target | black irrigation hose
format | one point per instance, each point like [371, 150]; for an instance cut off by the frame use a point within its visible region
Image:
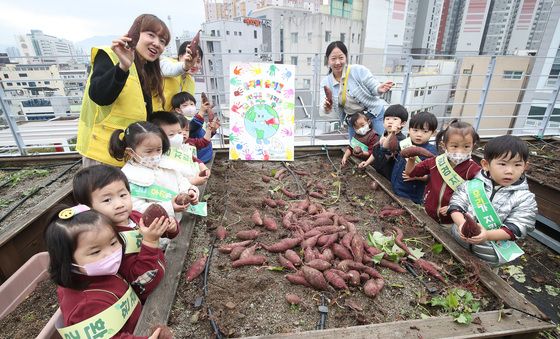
[309, 155]
[37, 189]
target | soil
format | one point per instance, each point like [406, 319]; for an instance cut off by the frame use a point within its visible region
[17, 183]
[545, 162]
[29, 318]
[251, 300]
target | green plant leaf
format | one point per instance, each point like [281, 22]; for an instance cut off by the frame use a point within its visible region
[437, 248]
[538, 289]
[377, 258]
[416, 252]
[275, 268]
[463, 318]
[551, 290]
[424, 316]
[515, 272]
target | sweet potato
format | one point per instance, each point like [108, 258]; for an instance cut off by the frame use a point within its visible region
[282, 245]
[196, 268]
[335, 280]
[256, 218]
[293, 299]
[372, 272]
[415, 151]
[351, 218]
[347, 240]
[221, 232]
[329, 229]
[209, 111]
[316, 195]
[293, 257]
[311, 233]
[236, 252]
[297, 211]
[303, 205]
[350, 227]
[389, 207]
[357, 246]
[248, 252]
[331, 238]
[374, 185]
[248, 234]
[322, 240]
[319, 264]
[312, 209]
[287, 220]
[193, 47]
[266, 178]
[328, 94]
[328, 254]
[297, 279]
[428, 267]
[392, 266]
[279, 173]
[315, 278]
[269, 202]
[322, 222]
[252, 260]
[270, 224]
[182, 199]
[280, 203]
[311, 242]
[308, 254]
[341, 252]
[227, 248]
[391, 213]
[470, 228]
[300, 172]
[153, 212]
[354, 277]
[399, 241]
[393, 143]
[285, 262]
[364, 277]
[289, 194]
[372, 287]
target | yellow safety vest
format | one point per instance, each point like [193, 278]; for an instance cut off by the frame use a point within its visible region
[172, 86]
[97, 123]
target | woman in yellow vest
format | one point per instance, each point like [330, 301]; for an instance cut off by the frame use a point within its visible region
[119, 91]
[177, 75]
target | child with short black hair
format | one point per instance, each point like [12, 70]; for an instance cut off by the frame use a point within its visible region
[447, 171]
[181, 156]
[420, 129]
[362, 143]
[498, 198]
[394, 119]
[86, 264]
[151, 180]
[105, 189]
[184, 103]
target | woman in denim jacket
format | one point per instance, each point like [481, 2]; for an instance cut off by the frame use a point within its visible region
[362, 90]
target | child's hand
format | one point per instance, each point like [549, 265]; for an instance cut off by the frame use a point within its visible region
[363, 164]
[443, 210]
[204, 107]
[327, 105]
[177, 207]
[406, 177]
[124, 52]
[357, 151]
[155, 335]
[344, 160]
[152, 233]
[385, 87]
[477, 239]
[172, 227]
[193, 195]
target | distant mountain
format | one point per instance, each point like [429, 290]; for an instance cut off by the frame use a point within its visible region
[88, 43]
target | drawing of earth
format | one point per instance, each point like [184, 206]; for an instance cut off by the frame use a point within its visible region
[261, 122]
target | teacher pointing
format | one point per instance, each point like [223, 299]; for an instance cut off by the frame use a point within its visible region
[354, 89]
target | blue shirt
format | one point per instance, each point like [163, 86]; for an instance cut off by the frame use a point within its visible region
[413, 190]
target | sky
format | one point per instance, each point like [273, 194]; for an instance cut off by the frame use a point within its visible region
[80, 20]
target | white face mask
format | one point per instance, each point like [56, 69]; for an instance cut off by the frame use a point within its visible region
[150, 162]
[458, 158]
[176, 140]
[363, 130]
[189, 111]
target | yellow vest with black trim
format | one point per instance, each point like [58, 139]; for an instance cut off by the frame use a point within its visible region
[172, 86]
[97, 123]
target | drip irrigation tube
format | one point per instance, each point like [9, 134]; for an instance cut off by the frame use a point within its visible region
[37, 189]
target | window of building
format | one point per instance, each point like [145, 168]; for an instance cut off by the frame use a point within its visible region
[306, 83]
[32, 84]
[210, 46]
[229, 50]
[308, 61]
[327, 36]
[358, 41]
[235, 33]
[353, 34]
[8, 84]
[18, 83]
[513, 75]
[294, 38]
[395, 35]
[430, 90]
[343, 37]
[213, 32]
[256, 51]
[5, 76]
[22, 75]
[309, 37]
[240, 51]
[294, 60]
[239, 33]
[255, 33]
[210, 65]
[416, 92]
[227, 32]
[467, 71]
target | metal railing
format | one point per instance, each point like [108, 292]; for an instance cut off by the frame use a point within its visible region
[496, 103]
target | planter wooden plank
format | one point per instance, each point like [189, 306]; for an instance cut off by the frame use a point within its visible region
[158, 306]
[492, 324]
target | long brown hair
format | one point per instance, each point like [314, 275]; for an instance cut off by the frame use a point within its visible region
[149, 72]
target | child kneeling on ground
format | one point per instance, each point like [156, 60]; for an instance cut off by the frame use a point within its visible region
[499, 199]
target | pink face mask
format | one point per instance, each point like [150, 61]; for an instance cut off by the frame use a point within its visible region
[106, 266]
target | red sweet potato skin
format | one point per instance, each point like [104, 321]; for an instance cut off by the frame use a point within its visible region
[297, 279]
[399, 241]
[182, 199]
[335, 280]
[391, 213]
[288, 194]
[415, 151]
[253, 260]
[319, 264]
[269, 202]
[428, 267]
[315, 278]
[270, 224]
[227, 248]
[236, 252]
[341, 252]
[293, 257]
[328, 93]
[470, 227]
[282, 245]
[293, 299]
[393, 142]
[152, 212]
[196, 268]
[221, 232]
[256, 218]
[354, 277]
[247, 235]
[372, 287]
[248, 252]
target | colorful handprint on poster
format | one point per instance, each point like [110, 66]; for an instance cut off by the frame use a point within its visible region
[261, 111]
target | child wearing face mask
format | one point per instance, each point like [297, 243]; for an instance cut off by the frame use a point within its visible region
[362, 143]
[182, 156]
[151, 181]
[184, 103]
[86, 264]
[498, 198]
[106, 189]
[447, 171]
